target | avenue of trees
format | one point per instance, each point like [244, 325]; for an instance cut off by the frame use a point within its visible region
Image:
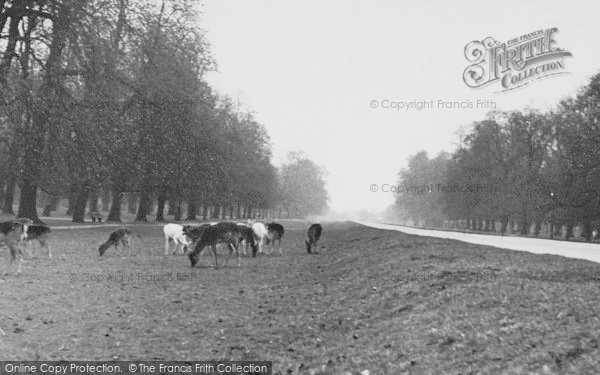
[104, 103]
[525, 170]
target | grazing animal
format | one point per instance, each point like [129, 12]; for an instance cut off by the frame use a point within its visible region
[120, 235]
[261, 235]
[247, 239]
[174, 233]
[226, 232]
[40, 234]
[96, 216]
[275, 234]
[314, 234]
[11, 233]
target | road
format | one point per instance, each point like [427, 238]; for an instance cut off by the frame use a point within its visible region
[576, 250]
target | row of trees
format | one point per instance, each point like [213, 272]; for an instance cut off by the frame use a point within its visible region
[102, 95]
[524, 167]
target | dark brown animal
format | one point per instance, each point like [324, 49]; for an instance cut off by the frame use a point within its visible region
[11, 233]
[313, 237]
[227, 233]
[119, 236]
[275, 234]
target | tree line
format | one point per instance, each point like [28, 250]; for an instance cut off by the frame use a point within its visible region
[99, 96]
[526, 169]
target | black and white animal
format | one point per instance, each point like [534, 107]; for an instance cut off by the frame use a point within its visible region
[26, 222]
[39, 233]
[11, 233]
[313, 236]
[174, 233]
[119, 236]
[227, 233]
[275, 234]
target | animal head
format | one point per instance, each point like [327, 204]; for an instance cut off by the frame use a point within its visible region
[193, 258]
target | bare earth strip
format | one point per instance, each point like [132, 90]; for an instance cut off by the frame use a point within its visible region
[385, 301]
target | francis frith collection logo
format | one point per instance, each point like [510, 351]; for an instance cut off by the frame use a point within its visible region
[516, 62]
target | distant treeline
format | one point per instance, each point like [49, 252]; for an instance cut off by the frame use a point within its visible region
[98, 96]
[521, 169]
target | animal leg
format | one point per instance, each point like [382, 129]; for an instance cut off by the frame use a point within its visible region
[26, 246]
[214, 250]
[15, 255]
[167, 243]
[279, 245]
[44, 243]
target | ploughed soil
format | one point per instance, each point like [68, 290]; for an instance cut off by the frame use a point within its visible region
[372, 300]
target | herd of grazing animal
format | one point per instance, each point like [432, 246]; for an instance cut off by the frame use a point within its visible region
[261, 238]
[237, 237]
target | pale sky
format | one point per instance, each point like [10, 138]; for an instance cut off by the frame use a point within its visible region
[308, 70]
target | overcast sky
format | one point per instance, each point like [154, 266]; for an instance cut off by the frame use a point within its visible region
[309, 70]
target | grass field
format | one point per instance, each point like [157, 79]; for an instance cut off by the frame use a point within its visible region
[378, 300]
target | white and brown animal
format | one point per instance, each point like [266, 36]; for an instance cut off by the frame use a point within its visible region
[122, 236]
[228, 233]
[39, 233]
[313, 237]
[261, 235]
[174, 233]
[26, 222]
[11, 233]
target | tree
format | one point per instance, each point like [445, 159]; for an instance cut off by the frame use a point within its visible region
[303, 186]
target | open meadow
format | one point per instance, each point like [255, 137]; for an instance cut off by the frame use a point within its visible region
[378, 300]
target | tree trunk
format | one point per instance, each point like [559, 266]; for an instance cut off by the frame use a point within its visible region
[523, 224]
[569, 233]
[131, 203]
[9, 196]
[191, 211]
[143, 205]
[538, 228]
[27, 202]
[215, 212]
[106, 200]
[178, 211]
[41, 121]
[115, 207]
[171, 211]
[503, 224]
[93, 202]
[162, 198]
[71, 202]
[587, 229]
[79, 207]
[249, 212]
